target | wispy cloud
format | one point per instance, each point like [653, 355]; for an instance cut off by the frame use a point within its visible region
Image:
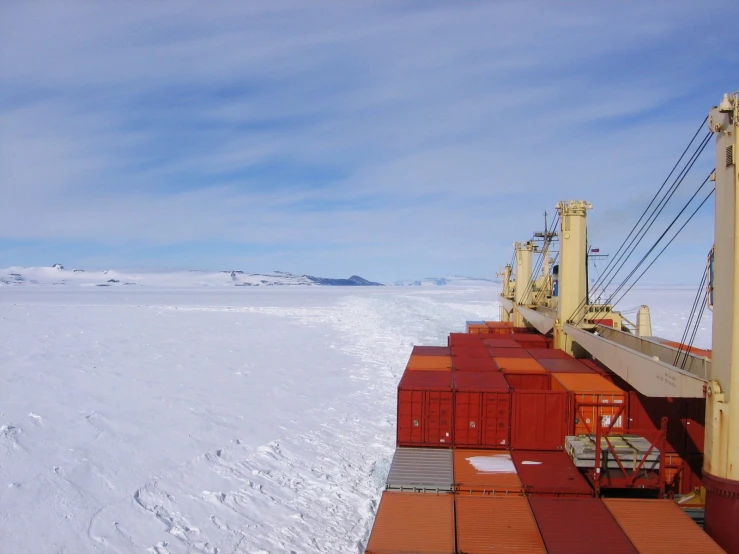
[390, 139]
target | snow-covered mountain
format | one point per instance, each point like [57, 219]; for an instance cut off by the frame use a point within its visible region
[58, 275]
[456, 280]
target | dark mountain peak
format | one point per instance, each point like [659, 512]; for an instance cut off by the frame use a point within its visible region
[353, 281]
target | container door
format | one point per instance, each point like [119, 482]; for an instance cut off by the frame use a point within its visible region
[585, 416]
[539, 420]
[467, 417]
[439, 424]
[410, 417]
[496, 428]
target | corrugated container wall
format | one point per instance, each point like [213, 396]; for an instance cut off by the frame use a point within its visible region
[496, 524]
[579, 526]
[539, 420]
[413, 522]
[425, 409]
[529, 381]
[482, 409]
[590, 388]
[656, 526]
[421, 470]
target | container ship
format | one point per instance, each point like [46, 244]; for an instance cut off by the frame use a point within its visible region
[563, 427]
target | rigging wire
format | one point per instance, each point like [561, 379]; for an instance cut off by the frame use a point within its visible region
[695, 333]
[647, 225]
[540, 262]
[611, 265]
[656, 195]
[692, 326]
[689, 323]
[669, 243]
[645, 228]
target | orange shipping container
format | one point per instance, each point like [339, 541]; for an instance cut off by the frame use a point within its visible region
[434, 363]
[413, 522]
[656, 526]
[496, 524]
[485, 472]
[500, 324]
[590, 388]
[519, 365]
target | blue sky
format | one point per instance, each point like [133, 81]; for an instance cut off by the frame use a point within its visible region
[387, 139]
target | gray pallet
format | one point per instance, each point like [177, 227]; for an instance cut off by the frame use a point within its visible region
[421, 470]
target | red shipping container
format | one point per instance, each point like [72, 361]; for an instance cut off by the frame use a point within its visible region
[425, 409]
[559, 365]
[579, 526]
[539, 420]
[509, 352]
[465, 339]
[460, 363]
[596, 366]
[503, 342]
[646, 413]
[550, 474]
[431, 351]
[482, 410]
[521, 330]
[694, 423]
[470, 352]
[530, 340]
[548, 353]
[529, 381]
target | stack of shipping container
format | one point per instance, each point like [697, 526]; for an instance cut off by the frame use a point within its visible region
[480, 463]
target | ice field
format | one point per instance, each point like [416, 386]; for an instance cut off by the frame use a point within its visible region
[216, 420]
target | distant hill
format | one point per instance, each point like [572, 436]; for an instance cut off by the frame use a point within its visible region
[353, 281]
[455, 280]
[57, 275]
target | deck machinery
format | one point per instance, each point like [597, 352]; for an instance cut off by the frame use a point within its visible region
[558, 303]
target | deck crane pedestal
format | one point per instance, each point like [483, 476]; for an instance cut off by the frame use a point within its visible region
[721, 466]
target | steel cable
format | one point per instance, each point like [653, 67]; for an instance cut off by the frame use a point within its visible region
[608, 270]
[668, 244]
[647, 225]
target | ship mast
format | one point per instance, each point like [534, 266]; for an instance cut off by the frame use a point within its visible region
[522, 292]
[721, 465]
[572, 268]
